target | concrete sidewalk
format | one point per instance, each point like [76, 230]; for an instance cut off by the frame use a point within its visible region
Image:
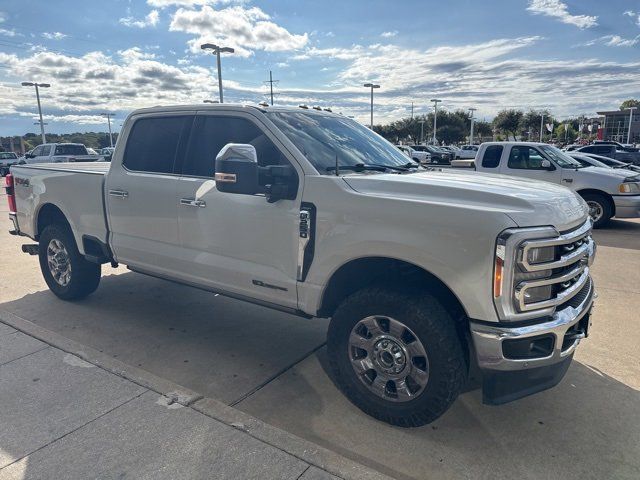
[64, 417]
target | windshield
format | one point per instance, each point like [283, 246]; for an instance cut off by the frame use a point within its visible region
[322, 138]
[7, 155]
[70, 150]
[562, 159]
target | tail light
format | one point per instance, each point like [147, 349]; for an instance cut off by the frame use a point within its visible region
[11, 196]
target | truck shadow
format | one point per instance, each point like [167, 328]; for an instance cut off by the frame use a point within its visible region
[619, 234]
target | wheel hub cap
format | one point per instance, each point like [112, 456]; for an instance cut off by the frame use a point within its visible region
[595, 211]
[388, 358]
[58, 262]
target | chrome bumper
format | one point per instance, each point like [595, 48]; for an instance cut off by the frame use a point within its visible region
[14, 220]
[488, 339]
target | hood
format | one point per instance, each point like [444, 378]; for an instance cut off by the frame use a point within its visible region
[618, 174]
[527, 202]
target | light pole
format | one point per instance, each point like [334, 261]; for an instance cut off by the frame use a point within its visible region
[109, 115]
[371, 86]
[217, 51]
[421, 131]
[435, 118]
[471, 110]
[43, 85]
[631, 109]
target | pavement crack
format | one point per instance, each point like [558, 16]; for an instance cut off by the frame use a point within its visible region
[25, 355]
[303, 472]
[76, 429]
[275, 375]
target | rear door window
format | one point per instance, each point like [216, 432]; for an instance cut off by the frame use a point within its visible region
[491, 157]
[46, 150]
[70, 150]
[154, 143]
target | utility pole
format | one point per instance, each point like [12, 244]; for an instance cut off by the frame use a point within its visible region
[109, 115]
[371, 86]
[43, 85]
[631, 109]
[435, 118]
[471, 110]
[541, 125]
[411, 110]
[421, 131]
[217, 51]
[271, 81]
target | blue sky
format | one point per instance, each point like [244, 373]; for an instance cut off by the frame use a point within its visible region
[573, 57]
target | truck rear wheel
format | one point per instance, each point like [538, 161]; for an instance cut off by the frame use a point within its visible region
[67, 273]
[600, 209]
[396, 355]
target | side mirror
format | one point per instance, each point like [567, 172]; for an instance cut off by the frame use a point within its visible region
[546, 164]
[237, 169]
[28, 155]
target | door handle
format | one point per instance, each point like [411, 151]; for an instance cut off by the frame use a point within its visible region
[118, 193]
[568, 180]
[192, 202]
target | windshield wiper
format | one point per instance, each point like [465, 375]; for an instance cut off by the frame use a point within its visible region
[361, 167]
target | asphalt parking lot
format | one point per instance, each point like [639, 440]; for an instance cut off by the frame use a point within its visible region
[273, 366]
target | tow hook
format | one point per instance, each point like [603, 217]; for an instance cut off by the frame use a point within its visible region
[31, 249]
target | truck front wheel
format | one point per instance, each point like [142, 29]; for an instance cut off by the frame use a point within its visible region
[600, 209]
[67, 273]
[396, 355]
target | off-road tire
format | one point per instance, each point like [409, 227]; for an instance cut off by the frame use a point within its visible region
[85, 275]
[432, 325]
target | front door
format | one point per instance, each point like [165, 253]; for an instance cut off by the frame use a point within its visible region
[141, 193]
[526, 161]
[239, 244]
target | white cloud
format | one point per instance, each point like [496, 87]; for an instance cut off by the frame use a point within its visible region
[618, 41]
[54, 35]
[8, 32]
[188, 3]
[559, 10]
[389, 34]
[151, 20]
[634, 15]
[244, 29]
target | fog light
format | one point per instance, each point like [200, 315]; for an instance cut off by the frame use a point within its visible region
[541, 255]
[537, 294]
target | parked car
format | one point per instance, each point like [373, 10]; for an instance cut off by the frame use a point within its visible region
[452, 149]
[308, 212]
[6, 160]
[611, 151]
[107, 153]
[438, 156]
[608, 192]
[467, 152]
[589, 159]
[416, 155]
[60, 152]
[619, 146]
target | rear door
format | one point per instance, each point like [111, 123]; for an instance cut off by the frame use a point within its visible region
[141, 192]
[526, 161]
[240, 244]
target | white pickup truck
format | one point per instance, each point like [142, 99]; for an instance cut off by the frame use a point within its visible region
[58, 153]
[608, 192]
[425, 275]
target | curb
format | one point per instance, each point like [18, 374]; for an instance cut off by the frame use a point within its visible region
[300, 448]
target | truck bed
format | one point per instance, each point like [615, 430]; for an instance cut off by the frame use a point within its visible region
[75, 189]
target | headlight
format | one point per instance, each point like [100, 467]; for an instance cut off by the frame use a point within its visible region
[541, 255]
[629, 187]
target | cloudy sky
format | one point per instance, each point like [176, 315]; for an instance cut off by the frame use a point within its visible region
[572, 56]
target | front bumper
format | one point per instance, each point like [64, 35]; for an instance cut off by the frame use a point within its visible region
[627, 206]
[521, 360]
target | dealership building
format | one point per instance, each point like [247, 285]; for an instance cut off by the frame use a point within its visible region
[614, 125]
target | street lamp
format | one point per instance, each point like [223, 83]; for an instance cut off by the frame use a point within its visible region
[435, 118]
[421, 122]
[109, 115]
[217, 51]
[371, 86]
[43, 85]
[631, 109]
[471, 110]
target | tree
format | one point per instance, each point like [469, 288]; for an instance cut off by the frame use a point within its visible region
[630, 103]
[508, 121]
[482, 129]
